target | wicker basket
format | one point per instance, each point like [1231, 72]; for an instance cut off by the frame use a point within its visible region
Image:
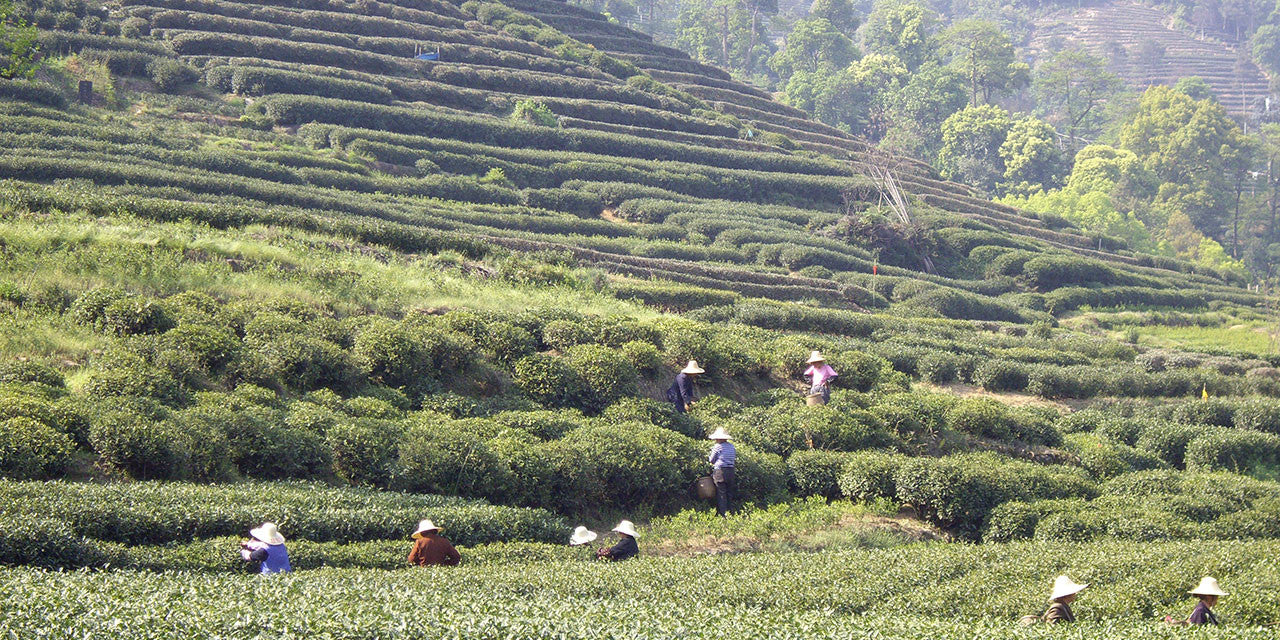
[815, 400]
[705, 488]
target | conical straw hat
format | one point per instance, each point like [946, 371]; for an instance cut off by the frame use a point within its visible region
[692, 367]
[719, 434]
[1064, 586]
[626, 527]
[423, 527]
[267, 533]
[581, 536]
[1208, 587]
[816, 356]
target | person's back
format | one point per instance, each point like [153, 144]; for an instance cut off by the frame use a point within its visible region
[432, 549]
[1058, 612]
[626, 548]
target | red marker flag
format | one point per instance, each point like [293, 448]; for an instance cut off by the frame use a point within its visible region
[875, 269]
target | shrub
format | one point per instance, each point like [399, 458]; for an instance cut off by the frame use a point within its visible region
[1000, 375]
[938, 367]
[1083, 421]
[605, 374]
[1168, 442]
[643, 356]
[171, 75]
[816, 473]
[212, 347]
[959, 492]
[534, 112]
[508, 343]
[762, 477]
[869, 475]
[1104, 460]
[563, 335]
[140, 446]
[635, 463]
[548, 380]
[364, 451]
[654, 412]
[983, 417]
[1213, 411]
[437, 458]
[89, 307]
[1051, 381]
[30, 371]
[544, 425]
[32, 450]
[1232, 450]
[1257, 414]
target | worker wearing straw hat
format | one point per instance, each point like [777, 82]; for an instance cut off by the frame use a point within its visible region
[820, 375]
[1064, 593]
[722, 459]
[430, 549]
[1208, 591]
[680, 393]
[267, 549]
[626, 547]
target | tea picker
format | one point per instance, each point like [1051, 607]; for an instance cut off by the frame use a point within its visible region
[1208, 592]
[430, 549]
[820, 374]
[722, 459]
[680, 393]
[266, 547]
[581, 537]
[626, 547]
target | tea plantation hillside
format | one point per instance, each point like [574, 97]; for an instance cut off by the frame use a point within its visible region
[1144, 49]
[345, 265]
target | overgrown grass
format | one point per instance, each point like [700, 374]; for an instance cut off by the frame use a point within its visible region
[1249, 337]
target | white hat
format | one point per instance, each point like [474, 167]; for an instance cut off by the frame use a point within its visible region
[626, 527]
[692, 367]
[719, 434]
[1064, 586]
[816, 356]
[1208, 587]
[425, 526]
[581, 536]
[267, 533]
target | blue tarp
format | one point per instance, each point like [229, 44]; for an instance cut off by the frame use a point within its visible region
[428, 56]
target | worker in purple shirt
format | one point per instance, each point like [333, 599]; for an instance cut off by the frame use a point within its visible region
[1208, 592]
[722, 458]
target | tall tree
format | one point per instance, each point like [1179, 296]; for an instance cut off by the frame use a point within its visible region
[726, 33]
[1071, 88]
[971, 140]
[840, 13]
[813, 45]
[1190, 147]
[905, 30]
[984, 55]
[918, 109]
[18, 47]
[1032, 159]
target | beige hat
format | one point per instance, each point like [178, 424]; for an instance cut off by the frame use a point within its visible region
[692, 367]
[423, 527]
[267, 533]
[626, 527]
[581, 536]
[719, 434]
[1064, 586]
[1208, 587]
[816, 356]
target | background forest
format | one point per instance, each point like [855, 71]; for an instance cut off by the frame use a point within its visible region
[993, 95]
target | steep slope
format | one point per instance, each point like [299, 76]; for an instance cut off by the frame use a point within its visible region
[649, 165]
[1156, 53]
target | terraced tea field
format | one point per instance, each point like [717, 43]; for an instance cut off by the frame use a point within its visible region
[1239, 84]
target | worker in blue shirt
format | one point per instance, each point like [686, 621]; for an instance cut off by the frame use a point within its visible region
[723, 457]
[680, 393]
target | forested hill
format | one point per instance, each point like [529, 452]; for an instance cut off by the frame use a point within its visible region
[1144, 49]
[540, 127]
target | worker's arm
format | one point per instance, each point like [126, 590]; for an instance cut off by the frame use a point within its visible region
[451, 555]
[415, 554]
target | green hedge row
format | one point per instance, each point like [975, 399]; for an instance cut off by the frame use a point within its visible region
[256, 81]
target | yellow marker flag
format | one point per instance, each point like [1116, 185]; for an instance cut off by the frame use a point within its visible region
[1204, 392]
